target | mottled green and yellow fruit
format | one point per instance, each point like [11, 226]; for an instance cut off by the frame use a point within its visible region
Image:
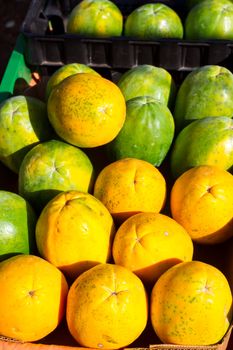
[147, 80]
[205, 92]
[64, 72]
[96, 18]
[23, 124]
[210, 19]
[17, 225]
[191, 3]
[191, 304]
[208, 141]
[153, 21]
[52, 167]
[147, 133]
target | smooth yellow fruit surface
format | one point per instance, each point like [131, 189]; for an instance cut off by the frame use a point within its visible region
[32, 297]
[150, 243]
[202, 202]
[107, 307]
[129, 186]
[74, 232]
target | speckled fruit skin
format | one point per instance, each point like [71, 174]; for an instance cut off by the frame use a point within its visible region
[145, 243]
[107, 307]
[205, 92]
[74, 232]
[23, 124]
[147, 80]
[17, 225]
[52, 167]
[208, 141]
[152, 21]
[201, 200]
[212, 19]
[191, 304]
[96, 18]
[64, 72]
[147, 133]
[86, 110]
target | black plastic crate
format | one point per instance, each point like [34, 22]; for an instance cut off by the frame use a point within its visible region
[48, 44]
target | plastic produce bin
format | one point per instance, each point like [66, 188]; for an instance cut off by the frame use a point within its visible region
[48, 44]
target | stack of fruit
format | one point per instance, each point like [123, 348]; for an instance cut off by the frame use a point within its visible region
[100, 230]
[122, 190]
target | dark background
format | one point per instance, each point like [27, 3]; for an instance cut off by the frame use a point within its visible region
[12, 13]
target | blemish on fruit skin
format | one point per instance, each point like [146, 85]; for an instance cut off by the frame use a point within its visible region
[192, 300]
[109, 339]
[31, 293]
